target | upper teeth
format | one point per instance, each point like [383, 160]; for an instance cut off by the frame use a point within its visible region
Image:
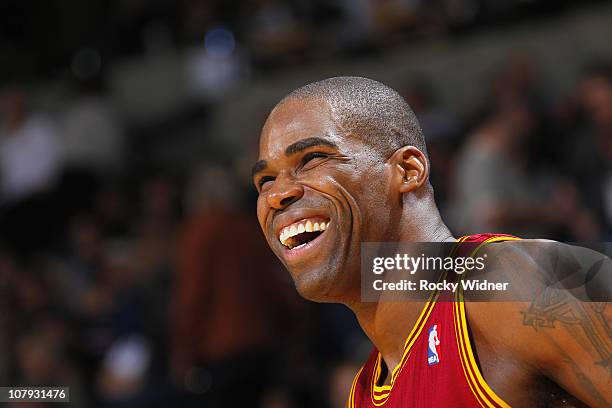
[300, 227]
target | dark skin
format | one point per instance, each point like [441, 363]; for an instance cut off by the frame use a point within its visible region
[310, 167]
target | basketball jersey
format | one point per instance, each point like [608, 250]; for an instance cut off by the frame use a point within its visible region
[438, 367]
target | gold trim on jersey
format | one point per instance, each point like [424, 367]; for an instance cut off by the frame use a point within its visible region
[485, 396]
[351, 399]
[380, 393]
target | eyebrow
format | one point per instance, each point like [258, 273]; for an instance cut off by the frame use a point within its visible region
[259, 166]
[294, 148]
[306, 143]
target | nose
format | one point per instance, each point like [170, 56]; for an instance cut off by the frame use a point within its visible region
[284, 192]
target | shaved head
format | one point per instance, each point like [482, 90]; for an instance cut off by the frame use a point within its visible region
[367, 109]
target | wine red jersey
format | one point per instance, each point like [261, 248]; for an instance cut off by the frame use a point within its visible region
[438, 368]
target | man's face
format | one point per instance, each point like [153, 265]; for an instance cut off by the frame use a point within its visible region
[321, 193]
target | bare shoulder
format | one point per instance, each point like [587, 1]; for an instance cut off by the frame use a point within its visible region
[557, 323]
[584, 271]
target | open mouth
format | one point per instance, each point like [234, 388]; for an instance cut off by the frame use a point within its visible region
[302, 232]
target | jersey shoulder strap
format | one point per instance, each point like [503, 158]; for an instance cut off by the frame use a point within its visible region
[487, 237]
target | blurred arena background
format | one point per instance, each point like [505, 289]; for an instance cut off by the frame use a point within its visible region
[132, 268]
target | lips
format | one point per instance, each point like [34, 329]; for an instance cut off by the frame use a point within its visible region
[301, 232]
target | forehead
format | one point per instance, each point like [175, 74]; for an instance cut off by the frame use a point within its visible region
[294, 120]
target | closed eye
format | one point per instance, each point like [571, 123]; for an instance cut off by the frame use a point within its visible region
[264, 180]
[311, 156]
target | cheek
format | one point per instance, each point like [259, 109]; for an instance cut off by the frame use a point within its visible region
[374, 188]
[377, 205]
[261, 211]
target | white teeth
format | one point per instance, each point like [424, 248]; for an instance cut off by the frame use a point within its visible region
[300, 228]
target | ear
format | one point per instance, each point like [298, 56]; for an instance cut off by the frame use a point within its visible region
[410, 169]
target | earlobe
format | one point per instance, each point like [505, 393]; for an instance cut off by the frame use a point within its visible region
[414, 168]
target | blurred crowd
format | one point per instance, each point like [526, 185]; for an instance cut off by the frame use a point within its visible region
[142, 285]
[273, 34]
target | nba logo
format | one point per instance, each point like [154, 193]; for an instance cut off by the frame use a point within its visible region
[432, 346]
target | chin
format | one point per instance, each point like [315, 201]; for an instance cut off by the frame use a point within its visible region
[317, 286]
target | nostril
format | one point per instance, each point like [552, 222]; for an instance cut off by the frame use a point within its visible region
[288, 200]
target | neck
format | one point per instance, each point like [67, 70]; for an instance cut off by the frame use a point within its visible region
[388, 324]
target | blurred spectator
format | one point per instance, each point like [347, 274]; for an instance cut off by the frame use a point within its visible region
[591, 158]
[92, 136]
[276, 35]
[494, 192]
[25, 138]
[230, 307]
[30, 163]
[42, 357]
